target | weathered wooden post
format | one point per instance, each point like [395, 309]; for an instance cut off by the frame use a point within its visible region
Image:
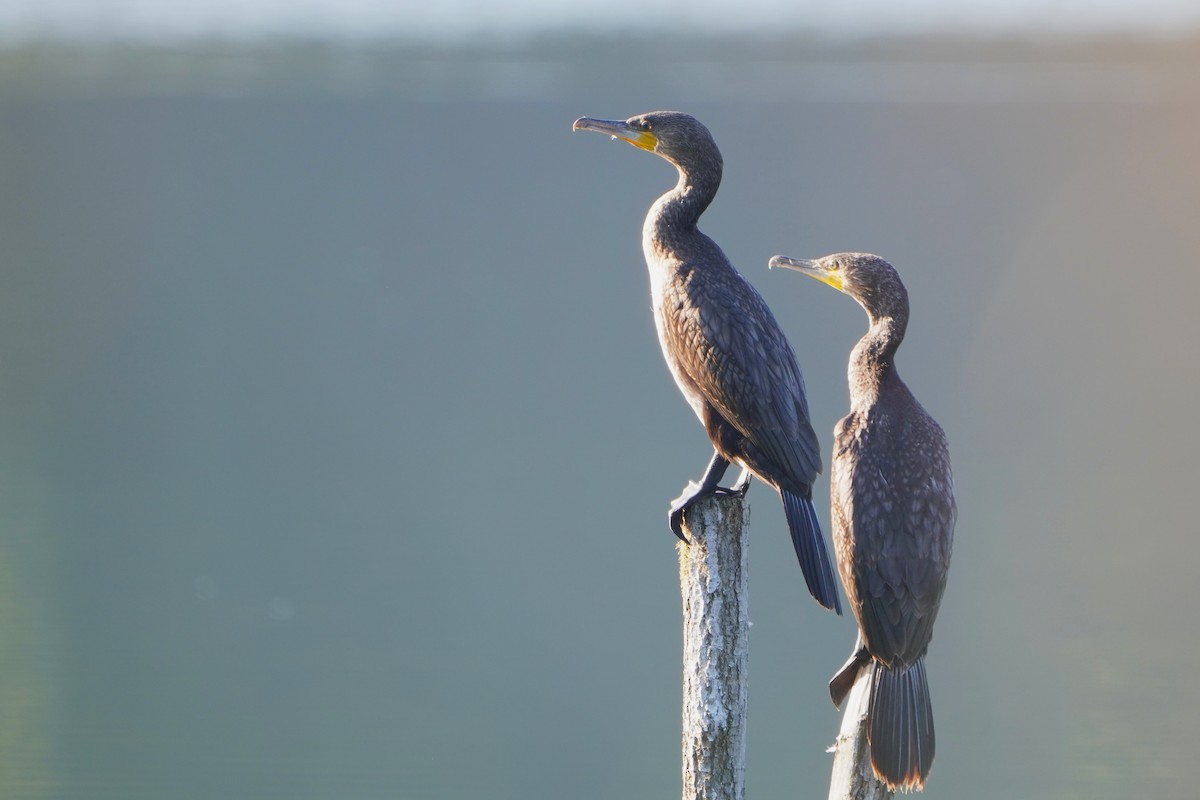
[716, 627]
[853, 778]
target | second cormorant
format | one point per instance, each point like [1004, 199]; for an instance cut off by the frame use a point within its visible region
[893, 510]
[722, 344]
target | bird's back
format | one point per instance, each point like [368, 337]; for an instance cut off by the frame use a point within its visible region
[893, 517]
[734, 365]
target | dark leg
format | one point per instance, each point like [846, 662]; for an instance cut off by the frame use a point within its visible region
[707, 485]
[742, 485]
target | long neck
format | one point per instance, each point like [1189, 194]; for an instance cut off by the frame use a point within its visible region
[872, 362]
[671, 222]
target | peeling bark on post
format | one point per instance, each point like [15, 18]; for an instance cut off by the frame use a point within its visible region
[853, 778]
[716, 625]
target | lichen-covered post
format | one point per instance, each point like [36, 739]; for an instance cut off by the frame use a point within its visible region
[716, 627]
[853, 778]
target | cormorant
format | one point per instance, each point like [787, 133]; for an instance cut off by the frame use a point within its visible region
[722, 344]
[893, 510]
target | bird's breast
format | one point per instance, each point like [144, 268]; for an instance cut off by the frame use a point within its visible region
[662, 267]
[691, 392]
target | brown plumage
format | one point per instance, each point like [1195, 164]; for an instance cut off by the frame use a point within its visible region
[893, 510]
[722, 344]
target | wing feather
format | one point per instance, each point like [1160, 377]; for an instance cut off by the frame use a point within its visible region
[727, 344]
[894, 517]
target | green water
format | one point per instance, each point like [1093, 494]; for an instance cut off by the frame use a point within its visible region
[337, 446]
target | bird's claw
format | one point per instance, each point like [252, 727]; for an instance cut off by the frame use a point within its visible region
[691, 493]
[676, 520]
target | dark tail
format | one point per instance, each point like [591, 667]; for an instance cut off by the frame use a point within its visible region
[901, 727]
[810, 549]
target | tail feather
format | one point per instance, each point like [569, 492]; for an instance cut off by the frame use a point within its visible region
[810, 549]
[901, 727]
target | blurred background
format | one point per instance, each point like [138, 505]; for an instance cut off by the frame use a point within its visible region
[337, 445]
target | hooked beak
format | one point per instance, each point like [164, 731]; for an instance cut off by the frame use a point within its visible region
[618, 129]
[813, 269]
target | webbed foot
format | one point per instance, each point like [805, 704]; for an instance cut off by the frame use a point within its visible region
[695, 491]
[691, 493]
[743, 483]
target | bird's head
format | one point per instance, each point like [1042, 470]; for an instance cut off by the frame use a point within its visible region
[680, 138]
[870, 280]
